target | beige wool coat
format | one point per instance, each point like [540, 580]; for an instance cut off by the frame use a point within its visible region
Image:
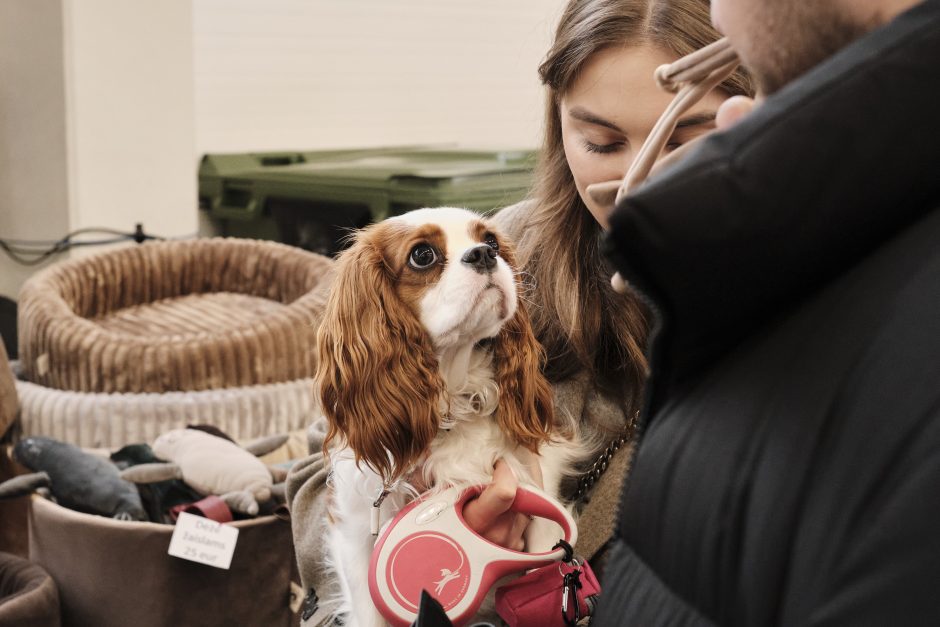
[576, 397]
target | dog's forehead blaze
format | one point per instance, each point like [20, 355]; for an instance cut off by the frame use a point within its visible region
[477, 229]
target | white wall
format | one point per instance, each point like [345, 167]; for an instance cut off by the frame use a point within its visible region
[131, 114]
[33, 165]
[97, 120]
[295, 74]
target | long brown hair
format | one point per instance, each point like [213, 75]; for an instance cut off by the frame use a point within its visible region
[582, 323]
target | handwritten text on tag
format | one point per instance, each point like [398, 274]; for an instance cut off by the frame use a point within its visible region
[202, 540]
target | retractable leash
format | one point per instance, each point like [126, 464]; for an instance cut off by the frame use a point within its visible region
[691, 78]
[429, 546]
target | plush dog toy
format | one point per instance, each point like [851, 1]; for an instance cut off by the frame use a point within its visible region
[210, 465]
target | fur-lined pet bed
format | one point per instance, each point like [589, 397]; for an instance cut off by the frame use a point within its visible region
[174, 316]
[113, 420]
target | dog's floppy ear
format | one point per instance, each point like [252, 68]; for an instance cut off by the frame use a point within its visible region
[526, 407]
[377, 374]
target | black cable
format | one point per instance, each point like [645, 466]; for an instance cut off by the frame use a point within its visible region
[81, 231]
[35, 252]
[15, 256]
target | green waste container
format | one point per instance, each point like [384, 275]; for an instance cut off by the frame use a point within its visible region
[312, 199]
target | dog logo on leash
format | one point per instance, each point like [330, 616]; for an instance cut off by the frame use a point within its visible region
[447, 575]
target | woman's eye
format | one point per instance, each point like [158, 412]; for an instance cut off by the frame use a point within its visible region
[422, 256]
[673, 146]
[490, 240]
[602, 148]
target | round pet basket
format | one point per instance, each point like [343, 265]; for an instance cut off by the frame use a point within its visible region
[28, 594]
[179, 316]
[93, 420]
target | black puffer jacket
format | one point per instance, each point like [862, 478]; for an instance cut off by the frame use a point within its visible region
[789, 466]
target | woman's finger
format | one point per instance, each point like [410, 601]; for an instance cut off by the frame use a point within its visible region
[732, 111]
[496, 499]
[516, 540]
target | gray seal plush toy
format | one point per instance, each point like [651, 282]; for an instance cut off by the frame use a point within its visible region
[77, 480]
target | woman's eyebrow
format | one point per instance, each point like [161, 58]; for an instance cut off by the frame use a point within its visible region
[584, 115]
[697, 119]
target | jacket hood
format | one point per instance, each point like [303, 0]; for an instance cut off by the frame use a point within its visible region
[762, 216]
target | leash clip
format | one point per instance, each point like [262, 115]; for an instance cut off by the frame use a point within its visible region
[377, 509]
[570, 585]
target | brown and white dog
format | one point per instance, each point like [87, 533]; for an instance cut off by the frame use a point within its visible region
[429, 373]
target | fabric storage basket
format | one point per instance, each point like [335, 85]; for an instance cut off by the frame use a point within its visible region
[114, 573]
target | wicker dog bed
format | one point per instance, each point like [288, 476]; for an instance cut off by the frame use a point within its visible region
[174, 316]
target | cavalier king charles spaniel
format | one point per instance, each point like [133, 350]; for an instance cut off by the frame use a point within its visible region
[428, 373]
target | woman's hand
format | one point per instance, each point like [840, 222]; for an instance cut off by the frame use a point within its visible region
[489, 514]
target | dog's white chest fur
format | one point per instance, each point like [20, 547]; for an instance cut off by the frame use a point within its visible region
[469, 442]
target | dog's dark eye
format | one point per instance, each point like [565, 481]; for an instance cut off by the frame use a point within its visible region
[422, 256]
[490, 240]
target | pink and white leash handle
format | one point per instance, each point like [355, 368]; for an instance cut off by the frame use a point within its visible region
[429, 546]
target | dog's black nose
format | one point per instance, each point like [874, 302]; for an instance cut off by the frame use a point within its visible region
[481, 258]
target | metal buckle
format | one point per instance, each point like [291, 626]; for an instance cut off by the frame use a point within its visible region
[570, 585]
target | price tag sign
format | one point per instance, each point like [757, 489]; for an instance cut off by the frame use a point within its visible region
[199, 539]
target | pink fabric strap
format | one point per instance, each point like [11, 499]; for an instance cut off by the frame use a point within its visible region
[211, 507]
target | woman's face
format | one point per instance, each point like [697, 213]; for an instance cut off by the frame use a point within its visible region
[611, 108]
